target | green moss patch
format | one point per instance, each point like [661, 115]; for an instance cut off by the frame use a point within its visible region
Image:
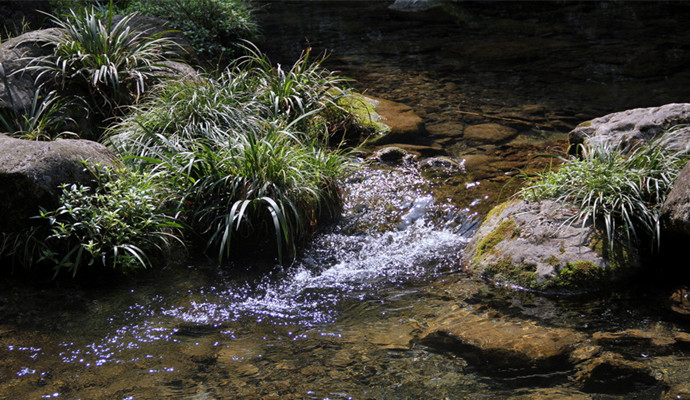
[504, 230]
[365, 113]
[505, 271]
[619, 258]
[499, 209]
[579, 274]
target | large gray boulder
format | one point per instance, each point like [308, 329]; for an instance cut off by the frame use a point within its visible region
[675, 212]
[533, 246]
[640, 125]
[15, 55]
[31, 173]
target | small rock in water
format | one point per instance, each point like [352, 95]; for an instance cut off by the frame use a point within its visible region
[612, 373]
[391, 155]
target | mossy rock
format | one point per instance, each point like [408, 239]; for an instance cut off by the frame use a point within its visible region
[532, 246]
[363, 108]
[393, 122]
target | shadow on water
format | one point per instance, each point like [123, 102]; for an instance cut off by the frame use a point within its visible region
[344, 320]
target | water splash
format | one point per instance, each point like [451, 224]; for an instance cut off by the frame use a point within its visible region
[393, 231]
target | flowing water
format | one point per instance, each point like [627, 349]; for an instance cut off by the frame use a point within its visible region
[345, 319]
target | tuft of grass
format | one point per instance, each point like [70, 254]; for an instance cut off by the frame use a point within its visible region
[104, 61]
[259, 187]
[184, 112]
[613, 190]
[234, 149]
[305, 95]
[121, 223]
[45, 120]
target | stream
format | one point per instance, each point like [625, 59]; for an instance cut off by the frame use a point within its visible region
[345, 321]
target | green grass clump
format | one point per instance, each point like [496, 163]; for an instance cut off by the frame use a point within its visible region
[613, 190]
[184, 113]
[215, 27]
[105, 62]
[291, 94]
[258, 187]
[48, 117]
[243, 151]
[250, 95]
[579, 274]
[120, 222]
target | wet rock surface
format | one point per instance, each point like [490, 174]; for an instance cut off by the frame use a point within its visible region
[403, 122]
[488, 133]
[392, 155]
[502, 346]
[612, 373]
[680, 300]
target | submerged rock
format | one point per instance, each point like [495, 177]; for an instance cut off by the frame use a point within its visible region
[392, 155]
[553, 394]
[640, 125]
[404, 124]
[612, 373]
[441, 163]
[679, 301]
[534, 245]
[31, 173]
[489, 133]
[502, 345]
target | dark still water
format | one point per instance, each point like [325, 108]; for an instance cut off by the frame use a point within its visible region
[539, 68]
[345, 320]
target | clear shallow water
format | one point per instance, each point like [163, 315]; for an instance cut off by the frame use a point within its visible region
[341, 322]
[362, 266]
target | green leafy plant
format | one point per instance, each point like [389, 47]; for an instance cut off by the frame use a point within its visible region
[101, 59]
[119, 223]
[243, 168]
[304, 90]
[215, 27]
[612, 189]
[183, 112]
[256, 187]
[45, 120]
